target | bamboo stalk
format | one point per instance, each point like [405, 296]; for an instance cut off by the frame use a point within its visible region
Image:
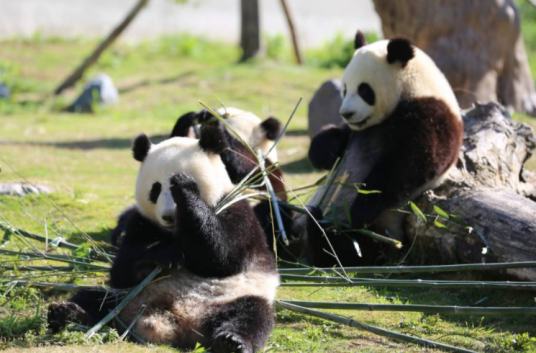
[96, 255]
[431, 309]
[275, 204]
[132, 333]
[415, 269]
[38, 268]
[62, 287]
[369, 328]
[339, 282]
[382, 238]
[123, 303]
[136, 318]
[59, 258]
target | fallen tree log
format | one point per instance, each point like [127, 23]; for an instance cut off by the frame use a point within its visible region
[489, 193]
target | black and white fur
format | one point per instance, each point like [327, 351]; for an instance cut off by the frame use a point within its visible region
[220, 278]
[239, 161]
[402, 133]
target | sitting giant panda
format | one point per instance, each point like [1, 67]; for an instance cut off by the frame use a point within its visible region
[238, 160]
[220, 278]
[402, 133]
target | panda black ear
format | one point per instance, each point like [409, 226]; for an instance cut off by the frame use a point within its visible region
[212, 138]
[359, 40]
[183, 125]
[401, 50]
[272, 127]
[140, 147]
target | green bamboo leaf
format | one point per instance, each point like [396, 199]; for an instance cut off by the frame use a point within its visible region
[417, 211]
[440, 225]
[368, 192]
[440, 212]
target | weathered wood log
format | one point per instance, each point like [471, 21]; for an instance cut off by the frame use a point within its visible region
[489, 189]
[484, 60]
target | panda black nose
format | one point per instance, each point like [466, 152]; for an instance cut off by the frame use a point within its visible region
[347, 115]
[168, 218]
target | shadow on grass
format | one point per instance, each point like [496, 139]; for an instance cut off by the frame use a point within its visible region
[300, 166]
[474, 298]
[105, 143]
[162, 81]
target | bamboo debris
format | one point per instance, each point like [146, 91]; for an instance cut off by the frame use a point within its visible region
[59, 258]
[339, 282]
[132, 333]
[123, 303]
[414, 269]
[136, 318]
[369, 328]
[61, 287]
[429, 309]
[40, 268]
[96, 255]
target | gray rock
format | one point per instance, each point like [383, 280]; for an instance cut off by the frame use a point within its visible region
[4, 91]
[324, 107]
[23, 189]
[100, 90]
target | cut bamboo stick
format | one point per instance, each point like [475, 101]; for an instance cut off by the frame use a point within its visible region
[96, 255]
[62, 287]
[429, 309]
[59, 258]
[415, 269]
[123, 303]
[369, 328]
[341, 282]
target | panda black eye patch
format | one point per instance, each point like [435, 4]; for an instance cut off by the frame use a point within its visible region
[365, 91]
[155, 192]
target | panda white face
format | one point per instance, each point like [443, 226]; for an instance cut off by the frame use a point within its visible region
[370, 87]
[381, 74]
[252, 129]
[161, 161]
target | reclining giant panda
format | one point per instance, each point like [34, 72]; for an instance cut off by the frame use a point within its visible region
[220, 278]
[402, 133]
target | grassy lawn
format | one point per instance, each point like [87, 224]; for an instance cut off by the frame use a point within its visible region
[87, 159]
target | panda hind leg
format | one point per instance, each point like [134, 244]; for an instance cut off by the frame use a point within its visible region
[241, 326]
[84, 308]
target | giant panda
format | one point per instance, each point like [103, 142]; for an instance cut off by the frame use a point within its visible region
[219, 278]
[238, 160]
[401, 133]
[261, 136]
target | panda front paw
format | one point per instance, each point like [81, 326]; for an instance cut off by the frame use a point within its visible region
[182, 183]
[61, 314]
[230, 342]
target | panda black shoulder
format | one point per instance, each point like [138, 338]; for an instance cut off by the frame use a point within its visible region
[427, 124]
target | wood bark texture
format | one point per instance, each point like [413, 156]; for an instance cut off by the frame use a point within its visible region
[477, 44]
[490, 192]
[250, 37]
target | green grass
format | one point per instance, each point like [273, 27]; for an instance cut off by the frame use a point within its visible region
[87, 158]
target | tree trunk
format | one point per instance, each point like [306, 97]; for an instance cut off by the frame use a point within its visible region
[490, 191]
[250, 34]
[477, 44]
